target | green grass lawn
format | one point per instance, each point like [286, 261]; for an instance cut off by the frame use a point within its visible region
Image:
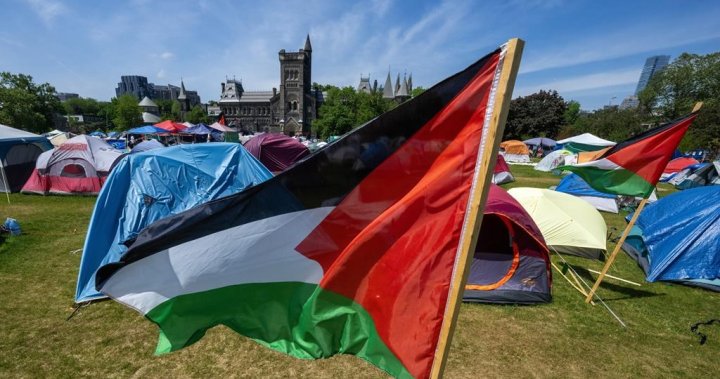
[566, 338]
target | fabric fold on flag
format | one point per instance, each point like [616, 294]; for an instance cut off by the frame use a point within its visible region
[633, 167]
[351, 251]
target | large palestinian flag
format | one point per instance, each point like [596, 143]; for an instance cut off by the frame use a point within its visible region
[350, 251]
[633, 167]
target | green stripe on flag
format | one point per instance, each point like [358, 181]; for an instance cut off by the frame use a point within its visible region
[618, 181]
[298, 319]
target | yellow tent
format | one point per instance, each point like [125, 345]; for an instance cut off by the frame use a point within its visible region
[569, 224]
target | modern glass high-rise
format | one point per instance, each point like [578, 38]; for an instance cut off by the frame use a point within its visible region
[653, 65]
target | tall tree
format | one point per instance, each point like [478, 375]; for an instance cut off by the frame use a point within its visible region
[673, 92]
[26, 105]
[539, 114]
[197, 115]
[127, 112]
[345, 109]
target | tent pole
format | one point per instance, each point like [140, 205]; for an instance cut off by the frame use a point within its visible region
[5, 181]
[577, 287]
[486, 157]
[616, 250]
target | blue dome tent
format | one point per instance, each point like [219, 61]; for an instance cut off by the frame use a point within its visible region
[151, 185]
[677, 238]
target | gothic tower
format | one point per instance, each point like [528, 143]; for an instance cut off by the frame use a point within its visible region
[296, 104]
[184, 101]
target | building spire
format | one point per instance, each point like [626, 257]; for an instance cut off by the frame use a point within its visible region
[388, 92]
[307, 47]
[182, 95]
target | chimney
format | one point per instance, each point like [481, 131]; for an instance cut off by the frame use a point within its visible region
[274, 91]
[223, 87]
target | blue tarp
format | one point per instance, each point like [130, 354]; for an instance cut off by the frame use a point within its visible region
[152, 185]
[575, 185]
[147, 129]
[680, 235]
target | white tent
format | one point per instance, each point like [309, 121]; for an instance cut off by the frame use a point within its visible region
[587, 139]
[569, 224]
[553, 160]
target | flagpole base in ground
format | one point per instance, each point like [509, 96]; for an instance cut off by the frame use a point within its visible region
[616, 250]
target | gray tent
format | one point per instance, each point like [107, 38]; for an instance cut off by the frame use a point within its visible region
[704, 176]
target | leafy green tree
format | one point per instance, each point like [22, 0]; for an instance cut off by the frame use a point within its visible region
[197, 115]
[345, 109]
[127, 112]
[175, 112]
[539, 114]
[165, 108]
[81, 106]
[27, 105]
[674, 91]
[416, 91]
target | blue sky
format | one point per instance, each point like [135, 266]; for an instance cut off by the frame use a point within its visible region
[590, 51]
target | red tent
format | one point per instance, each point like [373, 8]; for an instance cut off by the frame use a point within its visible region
[511, 263]
[678, 164]
[502, 172]
[171, 126]
[276, 151]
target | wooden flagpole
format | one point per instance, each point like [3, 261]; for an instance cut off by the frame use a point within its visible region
[610, 261]
[479, 194]
[616, 250]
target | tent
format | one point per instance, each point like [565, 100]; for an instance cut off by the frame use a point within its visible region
[79, 166]
[276, 151]
[587, 156]
[149, 186]
[553, 160]
[146, 145]
[684, 173]
[708, 174]
[677, 238]
[546, 143]
[502, 172]
[584, 142]
[574, 185]
[676, 165]
[59, 138]
[515, 151]
[511, 263]
[568, 224]
[18, 152]
[170, 126]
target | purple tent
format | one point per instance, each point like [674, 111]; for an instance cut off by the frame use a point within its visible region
[276, 151]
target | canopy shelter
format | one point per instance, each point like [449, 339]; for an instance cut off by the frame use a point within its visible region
[546, 143]
[229, 134]
[79, 166]
[502, 172]
[569, 225]
[170, 126]
[511, 263]
[677, 238]
[515, 151]
[19, 150]
[553, 160]
[149, 186]
[147, 129]
[708, 174]
[584, 142]
[276, 151]
[676, 165]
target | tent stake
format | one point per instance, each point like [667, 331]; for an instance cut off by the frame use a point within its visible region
[616, 250]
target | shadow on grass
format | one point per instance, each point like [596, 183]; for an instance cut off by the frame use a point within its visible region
[625, 291]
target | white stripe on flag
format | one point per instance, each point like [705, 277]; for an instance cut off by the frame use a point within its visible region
[259, 252]
[603, 164]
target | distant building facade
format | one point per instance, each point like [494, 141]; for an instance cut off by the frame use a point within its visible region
[139, 87]
[630, 102]
[653, 65]
[402, 89]
[289, 110]
[63, 96]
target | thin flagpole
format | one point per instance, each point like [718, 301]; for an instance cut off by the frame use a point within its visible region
[616, 250]
[478, 194]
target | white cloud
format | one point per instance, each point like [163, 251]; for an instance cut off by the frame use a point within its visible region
[48, 10]
[167, 55]
[583, 83]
